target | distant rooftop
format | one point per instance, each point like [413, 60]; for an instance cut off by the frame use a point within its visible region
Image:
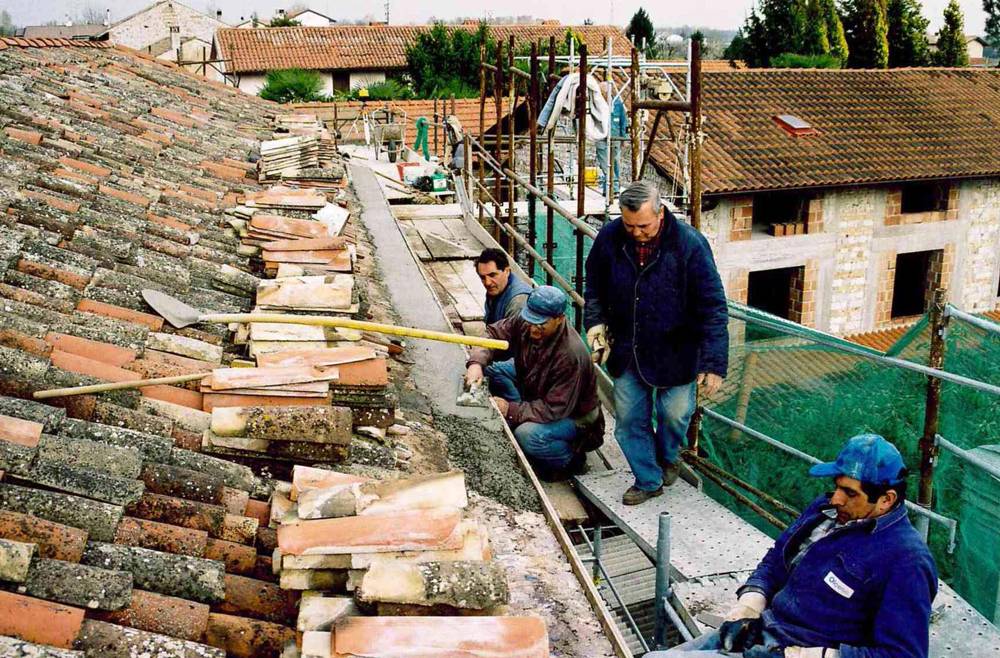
[379, 47]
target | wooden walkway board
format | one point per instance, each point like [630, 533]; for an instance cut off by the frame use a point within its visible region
[442, 238]
[468, 302]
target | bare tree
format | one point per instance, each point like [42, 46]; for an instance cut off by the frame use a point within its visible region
[91, 14]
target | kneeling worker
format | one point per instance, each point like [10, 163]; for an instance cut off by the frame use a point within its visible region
[850, 578]
[554, 410]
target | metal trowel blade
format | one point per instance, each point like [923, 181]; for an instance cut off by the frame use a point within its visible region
[173, 310]
[477, 395]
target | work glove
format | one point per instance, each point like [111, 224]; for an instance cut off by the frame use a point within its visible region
[811, 652]
[761, 651]
[743, 626]
[600, 347]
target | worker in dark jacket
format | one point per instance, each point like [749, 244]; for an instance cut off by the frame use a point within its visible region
[851, 578]
[505, 297]
[554, 411]
[656, 314]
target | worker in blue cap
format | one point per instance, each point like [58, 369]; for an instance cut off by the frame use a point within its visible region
[553, 407]
[850, 578]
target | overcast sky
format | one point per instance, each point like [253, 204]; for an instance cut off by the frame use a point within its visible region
[726, 14]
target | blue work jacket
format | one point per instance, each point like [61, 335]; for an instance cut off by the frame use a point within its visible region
[671, 316]
[865, 589]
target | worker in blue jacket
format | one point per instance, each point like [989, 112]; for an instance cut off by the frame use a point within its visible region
[655, 313]
[851, 578]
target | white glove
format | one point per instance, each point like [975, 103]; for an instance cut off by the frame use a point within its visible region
[811, 652]
[597, 339]
[749, 606]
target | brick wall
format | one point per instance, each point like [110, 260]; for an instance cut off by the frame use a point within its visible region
[803, 294]
[894, 215]
[741, 218]
[886, 284]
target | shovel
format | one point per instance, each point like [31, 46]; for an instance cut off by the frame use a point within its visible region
[180, 315]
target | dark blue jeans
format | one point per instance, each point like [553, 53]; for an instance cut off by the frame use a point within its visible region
[550, 445]
[503, 380]
[646, 448]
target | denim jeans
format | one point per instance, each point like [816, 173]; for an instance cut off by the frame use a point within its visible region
[503, 380]
[706, 645]
[646, 448]
[550, 445]
[601, 151]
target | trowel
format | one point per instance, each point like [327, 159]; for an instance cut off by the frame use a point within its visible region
[473, 395]
[181, 315]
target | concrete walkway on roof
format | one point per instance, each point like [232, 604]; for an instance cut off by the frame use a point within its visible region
[443, 364]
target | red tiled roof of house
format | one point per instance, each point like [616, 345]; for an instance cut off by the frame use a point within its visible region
[361, 47]
[871, 126]
[882, 339]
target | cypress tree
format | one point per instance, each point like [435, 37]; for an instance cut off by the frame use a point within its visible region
[992, 9]
[951, 50]
[867, 34]
[908, 44]
[835, 31]
[817, 41]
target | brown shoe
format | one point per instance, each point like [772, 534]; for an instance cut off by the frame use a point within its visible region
[670, 473]
[637, 496]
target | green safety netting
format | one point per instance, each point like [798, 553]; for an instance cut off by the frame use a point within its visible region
[813, 391]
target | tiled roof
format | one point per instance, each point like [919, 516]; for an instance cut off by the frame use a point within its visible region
[872, 126]
[361, 47]
[146, 522]
[63, 31]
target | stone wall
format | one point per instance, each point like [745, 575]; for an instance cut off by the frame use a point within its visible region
[149, 26]
[980, 207]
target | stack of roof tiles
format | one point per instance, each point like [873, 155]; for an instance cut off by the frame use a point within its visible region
[120, 533]
[404, 550]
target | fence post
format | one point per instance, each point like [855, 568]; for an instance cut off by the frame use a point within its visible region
[928, 442]
[482, 128]
[533, 101]
[511, 151]
[662, 580]
[550, 170]
[581, 173]
[633, 126]
[498, 235]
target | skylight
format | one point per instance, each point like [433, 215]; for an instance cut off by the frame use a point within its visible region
[794, 126]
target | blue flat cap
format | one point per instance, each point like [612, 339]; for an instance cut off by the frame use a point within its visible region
[544, 303]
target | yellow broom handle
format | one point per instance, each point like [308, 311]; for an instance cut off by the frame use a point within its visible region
[116, 386]
[347, 323]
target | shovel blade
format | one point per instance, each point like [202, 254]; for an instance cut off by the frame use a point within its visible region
[173, 310]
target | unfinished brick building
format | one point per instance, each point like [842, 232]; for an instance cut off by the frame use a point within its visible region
[842, 199]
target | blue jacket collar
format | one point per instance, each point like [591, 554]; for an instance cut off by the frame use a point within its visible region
[887, 520]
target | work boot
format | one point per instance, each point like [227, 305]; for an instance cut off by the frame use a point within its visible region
[636, 496]
[671, 472]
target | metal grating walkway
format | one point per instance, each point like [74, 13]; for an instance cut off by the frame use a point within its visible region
[706, 539]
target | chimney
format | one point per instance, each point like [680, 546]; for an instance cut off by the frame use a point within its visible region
[281, 12]
[175, 38]
[218, 14]
[107, 18]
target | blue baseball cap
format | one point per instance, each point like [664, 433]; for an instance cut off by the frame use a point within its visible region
[544, 303]
[868, 458]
